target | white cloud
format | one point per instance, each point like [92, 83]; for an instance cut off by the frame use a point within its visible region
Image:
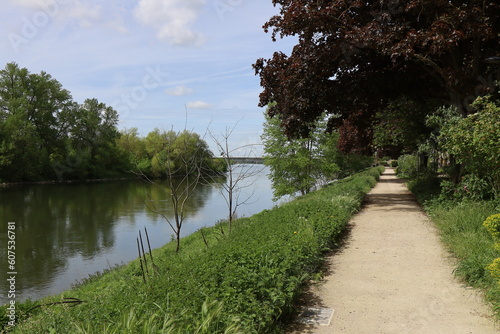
[199, 105]
[29, 3]
[179, 91]
[85, 13]
[172, 19]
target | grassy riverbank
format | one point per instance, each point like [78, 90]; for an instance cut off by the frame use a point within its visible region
[243, 282]
[460, 224]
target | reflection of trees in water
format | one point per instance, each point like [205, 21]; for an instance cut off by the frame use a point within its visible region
[57, 222]
[160, 197]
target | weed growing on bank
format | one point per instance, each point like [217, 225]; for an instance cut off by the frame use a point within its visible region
[246, 281]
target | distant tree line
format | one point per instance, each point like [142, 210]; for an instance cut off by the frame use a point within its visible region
[46, 135]
[169, 153]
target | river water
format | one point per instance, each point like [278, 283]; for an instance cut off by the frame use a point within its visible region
[64, 232]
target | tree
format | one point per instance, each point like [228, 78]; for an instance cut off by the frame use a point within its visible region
[297, 165]
[131, 142]
[94, 135]
[475, 141]
[33, 123]
[354, 57]
[237, 174]
[44, 134]
[182, 158]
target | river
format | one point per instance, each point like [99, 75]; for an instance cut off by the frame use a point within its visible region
[64, 232]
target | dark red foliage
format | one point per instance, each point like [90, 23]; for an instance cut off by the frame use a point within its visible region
[357, 55]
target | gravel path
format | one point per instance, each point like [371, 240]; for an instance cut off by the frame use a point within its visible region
[393, 275]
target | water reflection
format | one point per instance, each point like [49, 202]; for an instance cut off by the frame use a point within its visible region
[65, 232]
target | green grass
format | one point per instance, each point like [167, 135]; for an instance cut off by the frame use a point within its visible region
[460, 224]
[243, 282]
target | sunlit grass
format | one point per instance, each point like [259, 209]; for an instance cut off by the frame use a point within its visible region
[462, 230]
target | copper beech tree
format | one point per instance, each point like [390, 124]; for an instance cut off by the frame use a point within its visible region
[353, 57]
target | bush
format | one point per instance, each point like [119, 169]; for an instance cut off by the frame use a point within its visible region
[473, 141]
[425, 187]
[351, 164]
[407, 166]
[492, 224]
[471, 187]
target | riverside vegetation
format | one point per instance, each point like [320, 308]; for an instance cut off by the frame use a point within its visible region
[246, 281]
[65, 140]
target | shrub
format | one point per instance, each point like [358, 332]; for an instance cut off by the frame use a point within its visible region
[492, 224]
[355, 163]
[425, 187]
[407, 166]
[471, 187]
[474, 140]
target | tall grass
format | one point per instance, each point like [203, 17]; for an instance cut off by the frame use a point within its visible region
[462, 230]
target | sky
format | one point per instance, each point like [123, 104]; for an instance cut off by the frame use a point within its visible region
[167, 64]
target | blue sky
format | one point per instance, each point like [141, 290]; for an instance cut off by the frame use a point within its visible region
[151, 59]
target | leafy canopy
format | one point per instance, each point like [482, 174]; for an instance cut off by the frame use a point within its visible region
[45, 135]
[354, 57]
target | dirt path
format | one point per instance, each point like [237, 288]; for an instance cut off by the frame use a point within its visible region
[393, 275]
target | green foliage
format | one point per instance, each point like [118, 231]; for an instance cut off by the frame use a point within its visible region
[494, 268]
[400, 127]
[297, 165]
[407, 166]
[462, 230]
[475, 141]
[492, 224]
[44, 135]
[471, 187]
[156, 320]
[242, 282]
[168, 153]
[426, 187]
[353, 163]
